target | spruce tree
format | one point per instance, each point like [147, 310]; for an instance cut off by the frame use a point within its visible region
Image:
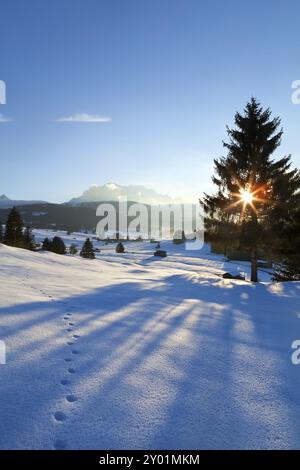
[256, 195]
[87, 250]
[1, 232]
[58, 246]
[28, 239]
[46, 244]
[14, 229]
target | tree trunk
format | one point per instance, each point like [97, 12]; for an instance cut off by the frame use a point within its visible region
[254, 265]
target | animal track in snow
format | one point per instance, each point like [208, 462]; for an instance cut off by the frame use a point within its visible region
[65, 382]
[71, 398]
[59, 416]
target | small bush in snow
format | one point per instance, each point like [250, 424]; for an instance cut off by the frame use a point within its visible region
[120, 248]
[160, 253]
[239, 277]
[73, 249]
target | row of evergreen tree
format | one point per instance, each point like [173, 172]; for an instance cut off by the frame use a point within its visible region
[15, 233]
[57, 245]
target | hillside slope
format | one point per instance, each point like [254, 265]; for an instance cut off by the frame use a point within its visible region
[137, 352]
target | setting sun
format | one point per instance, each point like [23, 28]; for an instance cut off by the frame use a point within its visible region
[246, 196]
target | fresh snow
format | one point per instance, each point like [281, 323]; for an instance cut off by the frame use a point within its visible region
[132, 351]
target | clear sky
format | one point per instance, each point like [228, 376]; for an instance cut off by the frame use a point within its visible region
[169, 75]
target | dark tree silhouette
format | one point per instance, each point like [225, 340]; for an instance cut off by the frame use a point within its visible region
[73, 249]
[120, 248]
[46, 244]
[28, 239]
[256, 195]
[58, 246]
[87, 250]
[14, 229]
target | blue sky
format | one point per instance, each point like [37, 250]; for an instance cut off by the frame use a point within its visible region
[168, 73]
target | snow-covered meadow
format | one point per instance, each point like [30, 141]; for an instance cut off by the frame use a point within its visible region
[133, 351]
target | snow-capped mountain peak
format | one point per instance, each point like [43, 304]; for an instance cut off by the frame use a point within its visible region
[113, 192]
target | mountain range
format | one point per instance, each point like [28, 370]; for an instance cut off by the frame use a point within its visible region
[6, 203]
[107, 192]
[115, 192]
[79, 213]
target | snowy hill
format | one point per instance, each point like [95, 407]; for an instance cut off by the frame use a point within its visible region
[131, 351]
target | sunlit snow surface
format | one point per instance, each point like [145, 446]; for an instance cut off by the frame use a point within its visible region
[132, 351]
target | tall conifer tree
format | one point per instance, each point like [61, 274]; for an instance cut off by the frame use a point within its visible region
[28, 239]
[14, 229]
[256, 195]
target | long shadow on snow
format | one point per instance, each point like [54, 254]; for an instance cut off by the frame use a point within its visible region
[196, 392]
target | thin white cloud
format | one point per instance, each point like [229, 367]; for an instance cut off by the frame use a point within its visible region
[84, 117]
[4, 119]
